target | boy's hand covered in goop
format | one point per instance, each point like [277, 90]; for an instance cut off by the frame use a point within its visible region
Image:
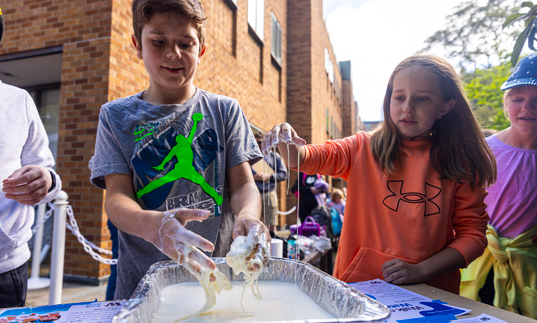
[181, 244]
[250, 254]
[281, 134]
[254, 244]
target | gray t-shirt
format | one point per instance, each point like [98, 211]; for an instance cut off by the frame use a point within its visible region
[178, 156]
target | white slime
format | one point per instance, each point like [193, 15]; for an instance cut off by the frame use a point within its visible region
[281, 301]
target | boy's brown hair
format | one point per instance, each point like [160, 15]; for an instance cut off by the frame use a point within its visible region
[143, 10]
[459, 151]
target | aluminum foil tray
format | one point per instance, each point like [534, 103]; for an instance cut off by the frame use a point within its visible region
[344, 302]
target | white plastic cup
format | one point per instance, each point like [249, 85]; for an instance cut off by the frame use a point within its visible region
[276, 246]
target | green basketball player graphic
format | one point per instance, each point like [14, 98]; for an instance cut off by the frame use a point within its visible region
[184, 167]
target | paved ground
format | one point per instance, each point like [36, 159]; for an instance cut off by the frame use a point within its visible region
[71, 293]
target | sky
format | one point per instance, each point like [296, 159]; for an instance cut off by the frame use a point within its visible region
[375, 35]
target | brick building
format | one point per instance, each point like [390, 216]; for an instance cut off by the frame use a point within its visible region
[274, 56]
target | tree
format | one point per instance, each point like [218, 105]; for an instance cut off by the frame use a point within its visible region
[529, 31]
[482, 35]
[483, 90]
[474, 32]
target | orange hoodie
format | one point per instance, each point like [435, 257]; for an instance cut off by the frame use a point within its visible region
[411, 215]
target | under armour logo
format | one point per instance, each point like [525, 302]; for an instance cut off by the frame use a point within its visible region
[396, 188]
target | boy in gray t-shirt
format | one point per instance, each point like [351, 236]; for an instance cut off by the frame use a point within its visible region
[174, 153]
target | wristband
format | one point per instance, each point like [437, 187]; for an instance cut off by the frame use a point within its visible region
[53, 185]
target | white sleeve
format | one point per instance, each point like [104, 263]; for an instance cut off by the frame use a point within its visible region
[36, 149]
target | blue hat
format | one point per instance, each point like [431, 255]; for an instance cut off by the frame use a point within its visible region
[525, 73]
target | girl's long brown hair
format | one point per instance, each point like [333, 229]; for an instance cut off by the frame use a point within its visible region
[459, 151]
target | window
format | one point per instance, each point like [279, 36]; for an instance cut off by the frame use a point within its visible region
[38, 72]
[232, 4]
[328, 66]
[276, 41]
[47, 100]
[256, 11]
[327, 122]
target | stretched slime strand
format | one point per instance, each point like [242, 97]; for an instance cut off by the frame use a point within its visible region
[212, 281]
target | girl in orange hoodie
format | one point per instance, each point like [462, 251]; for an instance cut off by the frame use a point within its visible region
[415, 212]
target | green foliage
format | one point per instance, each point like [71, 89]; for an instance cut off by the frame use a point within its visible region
[481, 34]
[474, 33]
[530, 22]
[483, 90]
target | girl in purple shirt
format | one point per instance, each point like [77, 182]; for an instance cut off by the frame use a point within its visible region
[512, 205]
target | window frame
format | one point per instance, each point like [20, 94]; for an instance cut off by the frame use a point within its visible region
[256, 17]
[276, 39]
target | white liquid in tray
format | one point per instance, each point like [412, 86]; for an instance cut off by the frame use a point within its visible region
[281, 301]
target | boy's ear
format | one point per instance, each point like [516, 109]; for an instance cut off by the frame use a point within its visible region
[446, 107]
[137, 46]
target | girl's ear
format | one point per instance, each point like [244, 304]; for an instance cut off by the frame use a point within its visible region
[506, 112]
[446, 107]
[137, 46]
[202, 51]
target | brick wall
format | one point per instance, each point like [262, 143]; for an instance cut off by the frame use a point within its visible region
[237, 73]
[326, 93]
[238, 66]
[82, 29]
[100, 64]
[310, 92]
[299, 77]
[349, 126]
